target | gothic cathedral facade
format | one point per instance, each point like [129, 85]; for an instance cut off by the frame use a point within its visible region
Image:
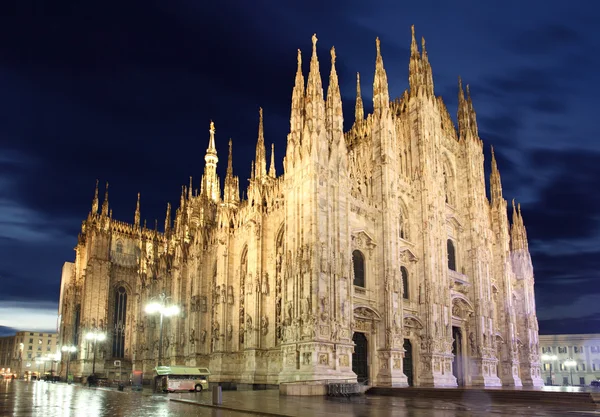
[375, 256]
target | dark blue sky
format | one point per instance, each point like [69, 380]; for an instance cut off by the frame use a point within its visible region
[124, 91]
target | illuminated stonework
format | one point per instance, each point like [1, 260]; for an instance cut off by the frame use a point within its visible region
[376, 253]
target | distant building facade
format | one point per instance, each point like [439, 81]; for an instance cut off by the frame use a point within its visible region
[376, 255]
[556, 352]
[26, 351]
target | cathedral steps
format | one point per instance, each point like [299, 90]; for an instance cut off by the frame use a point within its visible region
[559, 396]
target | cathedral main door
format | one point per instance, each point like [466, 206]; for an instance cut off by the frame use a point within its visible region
[407, 362]
[457, 362]
[360, 363]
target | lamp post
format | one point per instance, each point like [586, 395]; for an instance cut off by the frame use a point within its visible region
[549, 358]
[95, 337]
[69, 350]
[164, 310]
[570, 363]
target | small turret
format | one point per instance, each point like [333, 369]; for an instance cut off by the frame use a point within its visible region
[495, 182]
[297, 116]
[136, 220]
[471, 114]
[95, 200]
[272, 173]
[518, 234]
[463, 113]
[168, 219]
[381, 95]
[261, 157]
[232, 188]
[359, 111]
[105, 202]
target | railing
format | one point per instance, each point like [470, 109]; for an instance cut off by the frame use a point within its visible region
[123, 259]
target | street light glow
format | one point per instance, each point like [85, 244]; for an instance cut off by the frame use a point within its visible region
[171, 310]
[549, 357]
[69, 349]
[153, 308]
[570, 363]
[95, 336]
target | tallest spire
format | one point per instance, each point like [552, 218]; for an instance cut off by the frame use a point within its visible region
[211, 143]
[335, 117]
[297, 116]
[381, 95]
[210, 183]
[261, 157]
[105, 202]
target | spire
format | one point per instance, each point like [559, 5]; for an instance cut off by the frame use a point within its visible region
[495, 182]
[232, 189]
[211, 143]
[427, 71]
[261, 158]
[95, 200]
[252, 170]
[359, 111]
[415, 76]
[462, 117]
[297, 119]
[314, 89]
[168, 219]
[335, 118]
[381, 96]
[230, 161]
[471, 114]
[136, 220]
[105, 202]
[210, 182]
[190, 189]
[272, 173]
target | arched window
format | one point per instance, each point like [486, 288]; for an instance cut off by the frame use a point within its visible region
[404, 272]
[119, 318]
[358, 261]
[402, 226]
[119, 246]
[451, 255]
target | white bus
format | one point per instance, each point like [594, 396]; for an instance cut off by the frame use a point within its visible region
[180, 378]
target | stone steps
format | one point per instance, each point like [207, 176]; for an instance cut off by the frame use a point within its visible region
[588, 399]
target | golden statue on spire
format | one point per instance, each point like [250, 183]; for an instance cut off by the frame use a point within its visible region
[212, 126]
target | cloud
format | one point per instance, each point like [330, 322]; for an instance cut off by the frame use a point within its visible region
[26, 315]
[544, 39]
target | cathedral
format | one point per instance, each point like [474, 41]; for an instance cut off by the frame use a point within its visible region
[376, 256]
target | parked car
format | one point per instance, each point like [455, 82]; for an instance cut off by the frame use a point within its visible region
[595, 383]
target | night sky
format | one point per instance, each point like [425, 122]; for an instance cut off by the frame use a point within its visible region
[124, 91]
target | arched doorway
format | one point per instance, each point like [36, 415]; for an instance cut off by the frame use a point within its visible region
[360, 363]
[407, 362]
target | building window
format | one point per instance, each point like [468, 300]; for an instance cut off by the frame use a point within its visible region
[30, 340]
[30, 347]
[562, 366]
[593, 367]
[451, 255]
[581, 380]
[404, 272]
[118, 350]
[358, 261]
[28, 355]
[562, 349]
[546, 367]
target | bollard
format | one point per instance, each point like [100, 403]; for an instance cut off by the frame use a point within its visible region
[217, 396]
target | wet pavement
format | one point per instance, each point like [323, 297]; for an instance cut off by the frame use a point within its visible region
[22, 398]
[44, 399]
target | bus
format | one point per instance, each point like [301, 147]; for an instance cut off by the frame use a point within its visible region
[180, 378]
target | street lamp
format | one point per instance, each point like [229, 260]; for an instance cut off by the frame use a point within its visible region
[549, 358]
[69, 350]
[95, 337]
[164, 310]
[570, 363]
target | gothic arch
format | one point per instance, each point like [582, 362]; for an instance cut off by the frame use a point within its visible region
[366, 312]
[461, 305]
[403, 220]
[449, 177]
[410, 320]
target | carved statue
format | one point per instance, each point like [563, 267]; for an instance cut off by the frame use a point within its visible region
[215, 330]
[248, 322]
[193, 337]
[264, 325]
[230, 294]
[229, 331]
[265, 284]
[249, 284]
[203, 336]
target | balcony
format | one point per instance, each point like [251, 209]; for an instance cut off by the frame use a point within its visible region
[123, 259]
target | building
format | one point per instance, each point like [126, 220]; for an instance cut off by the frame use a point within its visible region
[376, 255]
[570, 359]
[29, 353]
